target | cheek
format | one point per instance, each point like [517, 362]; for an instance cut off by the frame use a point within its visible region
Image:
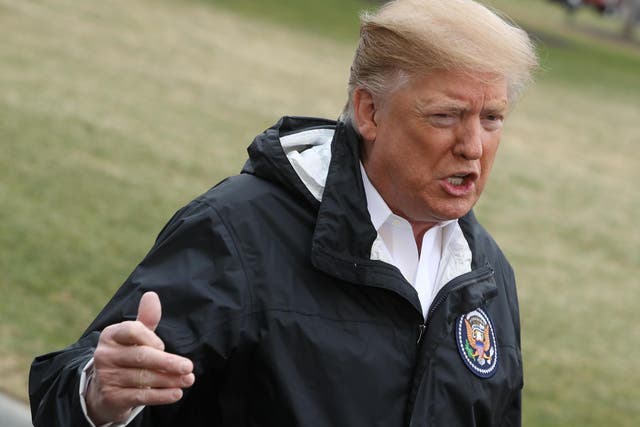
[487, 162]
[404, 154]
[488, 158]
[490, 149]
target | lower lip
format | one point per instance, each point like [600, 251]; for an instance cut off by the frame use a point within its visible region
[462, 190]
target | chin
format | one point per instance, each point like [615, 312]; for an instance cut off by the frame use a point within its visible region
[446, 210]
[455, 213]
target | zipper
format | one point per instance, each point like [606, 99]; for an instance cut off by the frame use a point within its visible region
[421, 329]
[459, 282]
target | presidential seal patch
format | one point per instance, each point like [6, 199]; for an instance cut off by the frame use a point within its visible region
[477, 343]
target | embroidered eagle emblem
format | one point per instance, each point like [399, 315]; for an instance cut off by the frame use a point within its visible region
[476, 341]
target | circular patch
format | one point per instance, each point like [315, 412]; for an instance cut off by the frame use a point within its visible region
[477, 343]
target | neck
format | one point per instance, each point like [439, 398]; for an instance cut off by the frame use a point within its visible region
[419, 228]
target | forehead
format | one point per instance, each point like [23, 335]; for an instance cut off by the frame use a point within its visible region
[455, 89]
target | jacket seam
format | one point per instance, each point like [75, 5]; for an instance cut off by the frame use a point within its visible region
[251, 313]
[229, 229]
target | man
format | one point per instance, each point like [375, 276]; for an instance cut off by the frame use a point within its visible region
[341, 279]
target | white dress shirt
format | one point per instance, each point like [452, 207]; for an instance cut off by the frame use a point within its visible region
[397, 245]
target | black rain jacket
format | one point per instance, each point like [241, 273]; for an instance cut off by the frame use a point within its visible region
[288, 321]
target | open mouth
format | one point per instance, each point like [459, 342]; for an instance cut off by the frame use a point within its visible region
[458, 179]
[461, 184]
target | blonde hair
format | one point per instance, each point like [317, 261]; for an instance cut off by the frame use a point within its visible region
[410, 37]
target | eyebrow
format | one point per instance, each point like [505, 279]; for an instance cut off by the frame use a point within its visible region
[449, 104]
[439, 103]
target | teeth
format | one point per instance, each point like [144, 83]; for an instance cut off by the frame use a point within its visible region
[456, 180]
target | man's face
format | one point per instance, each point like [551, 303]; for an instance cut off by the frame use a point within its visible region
[428, 146]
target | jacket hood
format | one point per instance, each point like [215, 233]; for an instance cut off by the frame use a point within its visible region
[295, 153]
[319, 160]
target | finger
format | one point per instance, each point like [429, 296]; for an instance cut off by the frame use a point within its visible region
[144, 357]
[132, 333]
[144, 378]
[150, 310]
[133, 397]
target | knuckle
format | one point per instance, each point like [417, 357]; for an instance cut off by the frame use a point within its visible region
[128, 330]
[144, 377]
[141, 396]
[99, 355]
[140, 355]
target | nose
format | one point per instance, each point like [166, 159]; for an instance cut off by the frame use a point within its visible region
[469, 140]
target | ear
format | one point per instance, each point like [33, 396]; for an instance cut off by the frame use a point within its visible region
[364, 109]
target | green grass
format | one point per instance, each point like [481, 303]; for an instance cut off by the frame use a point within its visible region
[114, 114]
[328, 18]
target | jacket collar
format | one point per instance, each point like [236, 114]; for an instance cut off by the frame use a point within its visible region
[344, 234]
[343, 227]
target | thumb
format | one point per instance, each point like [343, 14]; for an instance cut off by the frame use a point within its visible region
[150, 310]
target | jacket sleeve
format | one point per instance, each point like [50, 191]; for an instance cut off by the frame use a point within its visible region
[513, 413]
[197, 272]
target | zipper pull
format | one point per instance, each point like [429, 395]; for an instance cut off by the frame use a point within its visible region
[421, 328]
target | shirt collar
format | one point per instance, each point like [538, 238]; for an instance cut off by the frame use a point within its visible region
[378, 209]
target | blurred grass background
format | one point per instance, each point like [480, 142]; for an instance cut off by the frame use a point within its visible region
[114, 114]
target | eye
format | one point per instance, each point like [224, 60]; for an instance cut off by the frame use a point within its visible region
[442, 119]
[492, 121]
